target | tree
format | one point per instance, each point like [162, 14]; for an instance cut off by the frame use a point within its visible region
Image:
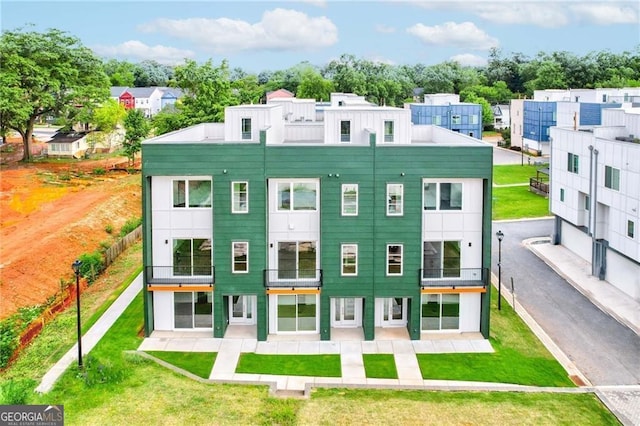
[151, 73]
[45, 74]
[314, 86]
[121, 73]
[137, 128]
[108, 115]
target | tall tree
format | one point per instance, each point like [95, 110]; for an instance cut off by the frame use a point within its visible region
[137, 128]
[43, 74]
[151, 73]
[121, 73]
[314, 86]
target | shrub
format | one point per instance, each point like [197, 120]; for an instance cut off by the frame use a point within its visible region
[130, 225]
[92, 265]
[8, 340]
[99, 171]
[16, 392]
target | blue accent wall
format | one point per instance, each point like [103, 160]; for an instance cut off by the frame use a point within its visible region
[538, 117]
[444, 116]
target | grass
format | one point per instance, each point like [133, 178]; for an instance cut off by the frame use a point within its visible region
[517, 202]
[198, 363]
[513, 173]
[519, 357]
[290, 365]
[380, 366]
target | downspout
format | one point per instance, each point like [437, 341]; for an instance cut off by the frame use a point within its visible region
[594, 270]
[590, 188]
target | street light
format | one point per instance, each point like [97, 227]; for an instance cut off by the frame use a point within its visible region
[500, 236]
[76, 269]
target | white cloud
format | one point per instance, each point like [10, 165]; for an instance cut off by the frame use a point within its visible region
[384, 29]
[451, 34]
[607, 14]
[319, 3]
[467, 59]
[279, 29]
[137, 50]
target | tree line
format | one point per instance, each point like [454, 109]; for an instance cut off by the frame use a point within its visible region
[52, 73]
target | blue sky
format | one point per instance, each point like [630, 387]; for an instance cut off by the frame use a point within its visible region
[275, 35]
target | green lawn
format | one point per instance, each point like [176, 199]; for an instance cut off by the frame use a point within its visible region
[513, 173]
[290, 365]
[380, 366]
[198, 363]
[517, 202]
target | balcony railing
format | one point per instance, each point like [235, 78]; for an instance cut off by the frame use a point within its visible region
[180, 275]
[282, 278]
[453, 277]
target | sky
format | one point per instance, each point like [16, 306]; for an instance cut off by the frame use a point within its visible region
[275, 35]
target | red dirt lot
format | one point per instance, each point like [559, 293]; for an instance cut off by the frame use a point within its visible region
[51, 212]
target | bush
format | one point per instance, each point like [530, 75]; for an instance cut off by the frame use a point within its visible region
[8, 340]
[16, 392]
[108, 229]
[99, 171]
[130, 225]
[92, 265]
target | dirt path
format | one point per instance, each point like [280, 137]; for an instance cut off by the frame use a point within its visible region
[49, 215]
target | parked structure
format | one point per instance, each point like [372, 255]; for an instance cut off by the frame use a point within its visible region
[446, 110]
[595, 195]
[361, 220]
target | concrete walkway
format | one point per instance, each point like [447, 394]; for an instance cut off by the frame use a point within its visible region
[91, 337]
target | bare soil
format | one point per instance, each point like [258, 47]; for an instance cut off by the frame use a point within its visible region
[51, 212]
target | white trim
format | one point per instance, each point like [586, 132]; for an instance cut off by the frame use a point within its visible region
[401, 260]
[233, 197]
[233, 257]
[342, 264]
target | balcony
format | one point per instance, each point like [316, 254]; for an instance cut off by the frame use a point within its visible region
[175, 275]
[293, 278]
[453, 277]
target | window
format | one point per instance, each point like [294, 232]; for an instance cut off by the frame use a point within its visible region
[350, 199]
[297, 196]
[630, 228]
[345, 131]
[240, 197]
[474, 119]
[192, 257]
[191, 193]
[437, 120]
[246, 128]
[297, 260]
[394, 199]
[587, 202]
[192, 309]
[561, 194]
[394, 259]
[388, 131]
[297, 312]
[572, 163]
[440, 312]
[456, 119]
[441, 259]
[612, 178]
[349, 259]
[240, 253]
[442, 196]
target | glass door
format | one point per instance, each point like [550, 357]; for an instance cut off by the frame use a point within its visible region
[394, 312]
[344, 312]
[241, 310]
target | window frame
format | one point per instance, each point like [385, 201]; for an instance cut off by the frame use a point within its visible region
[389, 258]
[344, 261]
[456, 119]
[236, 199]
[187, 194]
[398, 202]
[438, 196]
[245, 128]
[389, 136]
[344, 203]
[573, 161]
[234, 262]
[562, 194]
[631, 228]
[292, 196]
[193, 266]
[345, 130]
[612, 178]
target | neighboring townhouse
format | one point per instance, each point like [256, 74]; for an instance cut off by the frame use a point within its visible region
[170, 96]
[280, 93]
[532, 119]
[362, 220]
[147, 99]
[595, 195]
[501, 117]
[446, 110]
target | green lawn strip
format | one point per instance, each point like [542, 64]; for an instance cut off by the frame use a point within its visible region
[290, 365]
[381, 406]
[513, 173]
[198, 363]
[519, 357]
[380, 366]
[518, 202]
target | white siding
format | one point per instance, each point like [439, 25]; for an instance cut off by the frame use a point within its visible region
[469, 312]
[163, 310]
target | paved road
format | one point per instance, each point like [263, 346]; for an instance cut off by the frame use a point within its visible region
[604, 350]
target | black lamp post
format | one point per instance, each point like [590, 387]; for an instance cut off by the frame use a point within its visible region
[500, 236]
[76, 269]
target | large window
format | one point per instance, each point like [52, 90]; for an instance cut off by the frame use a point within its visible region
[612, 178]
[572, 163]
[345, 131]
[192, 309]
[297, 260]
[240, 203]
[442, 196]
[349, 259]
[441, 259]
[394, 199]
[191, 193]
[192, 257]
[240, 253]
[440, 312]
[350, 199]
[394, 259]
[388, 131]
[246, 128]
[297, 196]
[297, 312]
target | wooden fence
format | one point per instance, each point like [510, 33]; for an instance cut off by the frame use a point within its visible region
[121, 245]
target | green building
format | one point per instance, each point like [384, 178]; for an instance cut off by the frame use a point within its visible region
[289, 220]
